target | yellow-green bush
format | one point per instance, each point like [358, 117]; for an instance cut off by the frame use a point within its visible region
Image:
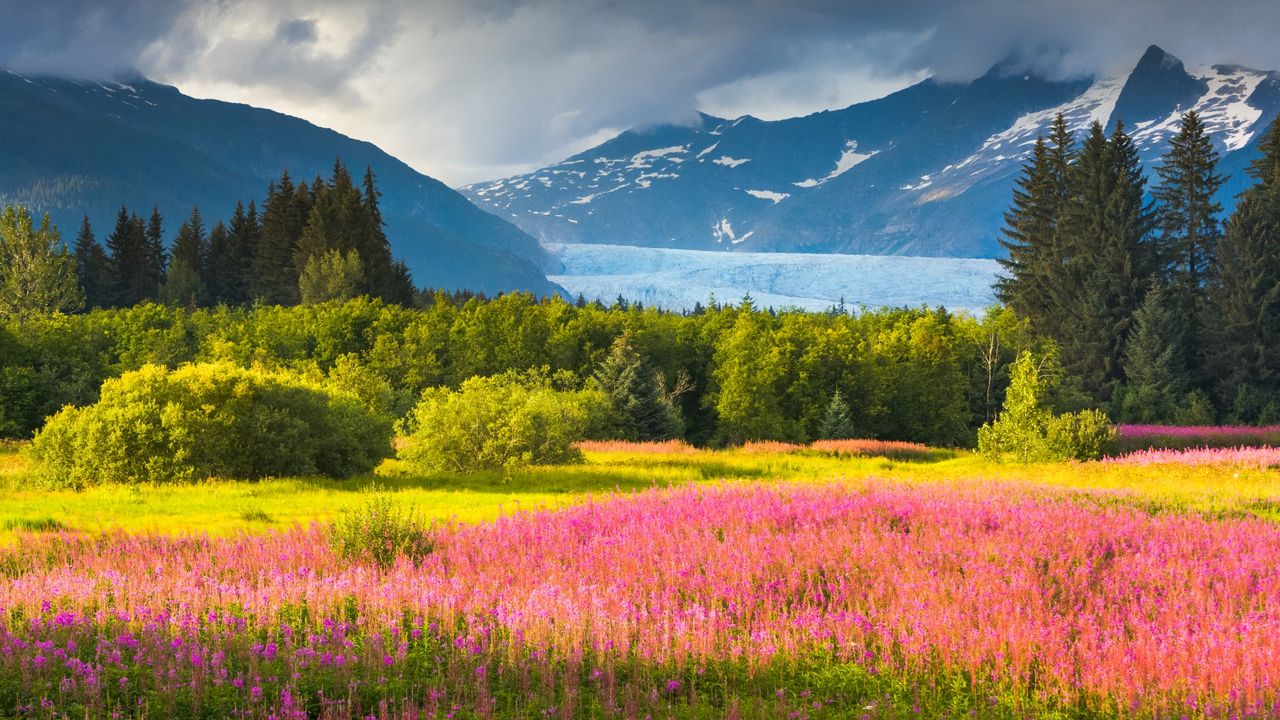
[210, 420]
[1028, 431]
[500, 422]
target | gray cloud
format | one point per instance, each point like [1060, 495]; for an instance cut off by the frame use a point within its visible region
[469, 89]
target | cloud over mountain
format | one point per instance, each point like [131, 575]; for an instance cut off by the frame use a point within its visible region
[470, 89]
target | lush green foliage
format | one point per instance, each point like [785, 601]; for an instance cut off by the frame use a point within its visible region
[209, 420]
[919, 375]
[37, 273]
[1028, 431]
[500, 422]
[330, 275]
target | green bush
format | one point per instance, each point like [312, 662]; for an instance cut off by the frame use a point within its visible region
[380, 532]
[1084, 435]
[209, 420]
[1028, 431]
[500, 422]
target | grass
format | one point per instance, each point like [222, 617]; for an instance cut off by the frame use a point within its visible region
[228, 507]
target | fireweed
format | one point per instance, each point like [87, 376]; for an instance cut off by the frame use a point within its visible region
[1175, 437]
[727, 601]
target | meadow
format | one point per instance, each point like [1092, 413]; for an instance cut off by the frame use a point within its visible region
[657, 580]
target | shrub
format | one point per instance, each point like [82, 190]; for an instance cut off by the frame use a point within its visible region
[209, 420]
[1028, 431]
[500, 422]
[1084, 435]
[380, 532]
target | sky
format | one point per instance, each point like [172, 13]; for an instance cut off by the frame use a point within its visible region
[468, 90]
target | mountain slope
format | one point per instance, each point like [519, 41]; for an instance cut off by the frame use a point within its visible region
[925, 171]
[75, 147]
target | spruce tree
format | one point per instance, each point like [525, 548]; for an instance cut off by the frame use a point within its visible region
[93, 268]
[641, 409]
[1155, 368]
[132, 261]
[1109, 259]
[1028, 239]
[190, 245]
[1189, 231]
[273, 278]
[156, 258]
[1037, 277]
[1242, 322]
[222, 264]
[373, 244]
[837, 423]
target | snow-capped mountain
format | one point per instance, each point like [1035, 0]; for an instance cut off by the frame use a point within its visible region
[72, 147]
[925, 171]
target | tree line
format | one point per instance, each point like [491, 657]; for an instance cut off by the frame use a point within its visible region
[309, 243]
[1162, 311]
[725, 374]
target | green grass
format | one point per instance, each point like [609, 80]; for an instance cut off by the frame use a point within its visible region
[226, 507]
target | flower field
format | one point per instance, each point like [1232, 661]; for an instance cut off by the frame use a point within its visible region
[735, 600]
[1169, 437]
[744, 585]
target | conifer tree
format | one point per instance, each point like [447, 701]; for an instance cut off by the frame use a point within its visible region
[1107, 226]
[1156, 382]
[1189, 230]
[373, 244]
[133, 260]
[185, 281]
[190, 245]
[1028, 237]
[156, 258]
[273, 278]
[837, 423]
[222, 264]
[1243, 316]
[641, 409]
[1036, 279]
[93, 268]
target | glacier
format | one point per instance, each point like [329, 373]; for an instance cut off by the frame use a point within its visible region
[677, 279]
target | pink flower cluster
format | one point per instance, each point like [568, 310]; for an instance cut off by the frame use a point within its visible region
[1021, 590]
[1141, 437]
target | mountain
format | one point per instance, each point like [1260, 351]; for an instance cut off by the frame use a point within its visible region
[925, 171]
[71, 147]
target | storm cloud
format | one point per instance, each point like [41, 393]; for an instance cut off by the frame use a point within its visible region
[471, 89]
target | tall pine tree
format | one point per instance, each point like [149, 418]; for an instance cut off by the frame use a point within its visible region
[93, 268]
[1190, 232]
[133, 260]
[1107, 226]
[1243, 317]
[273, 278]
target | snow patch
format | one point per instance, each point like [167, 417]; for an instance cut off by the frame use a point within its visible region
[849, 158]
[723, 230]
[585, 199]
[776, 197]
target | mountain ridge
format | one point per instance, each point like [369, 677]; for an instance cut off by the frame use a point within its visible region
[926, 170]
[76, 147]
